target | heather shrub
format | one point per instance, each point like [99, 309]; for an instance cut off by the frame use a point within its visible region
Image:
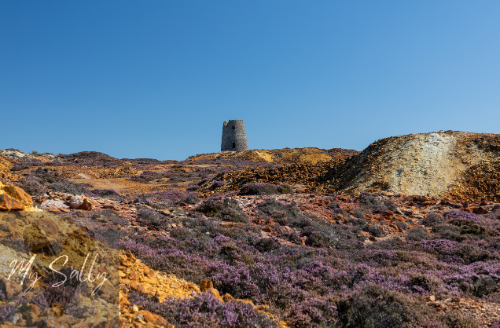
[217, 184]
[361, 213]
[495, 215]
[261, 188]
[211, 206]
[313, 313]
[417, 234]
[291, 236]
[303, 284]
[374, 306]
[193, 187]
[107, 193]
[68, 188]
[41, 180]
[204, 310]
[191, 198]
[471, 228]
[371, 202]
[319, 238]
[182, 233]
[276, 209]
[374, 230]
[390, 205]
[462, 215]
[232, 213]
[458, 320]
[336, 209]
[358, 222]
[401, 225]
[433, 219]
[110, 237]
[63, 294]
[455, 252]
[32, 187]
[285, 189]
[172, 197]
[448, 231]
[15, 244]
[150, 218]
[250, 281]
[267, 244]
[120, 221]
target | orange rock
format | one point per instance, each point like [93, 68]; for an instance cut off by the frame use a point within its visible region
[151, 318]
[55, 309]
[87, 205]
[46, 224]
[227, 298]
[206, 285]
[16, 193]
[479, 210]
[268, 229]
[400, 218]
[216, 294]
[9, 204]
[389, 214]
[80, 202]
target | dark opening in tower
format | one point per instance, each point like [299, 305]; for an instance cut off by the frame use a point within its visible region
[234, 145]
[234, 127]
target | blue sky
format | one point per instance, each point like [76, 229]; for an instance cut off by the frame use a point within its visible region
[157, 78]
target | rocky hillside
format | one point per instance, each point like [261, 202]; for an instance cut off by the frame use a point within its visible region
[308, 155]
[436, 164]
[212, 243]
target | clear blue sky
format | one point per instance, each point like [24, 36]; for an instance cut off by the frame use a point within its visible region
[157, 78]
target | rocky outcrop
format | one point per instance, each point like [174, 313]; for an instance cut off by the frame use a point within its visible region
[307, 155]
[419, 164]
[5, 167]
[13, 198]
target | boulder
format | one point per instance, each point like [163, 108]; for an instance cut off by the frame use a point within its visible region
[54, 205]
[48, 226]
[18, 194]
[81, 203]
[9, 204]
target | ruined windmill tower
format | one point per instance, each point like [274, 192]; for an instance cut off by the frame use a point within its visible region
[234, 136]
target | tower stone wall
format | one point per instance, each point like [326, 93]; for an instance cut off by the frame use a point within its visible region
[234, 136]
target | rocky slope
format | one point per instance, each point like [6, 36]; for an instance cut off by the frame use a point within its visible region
[435, 164]
[308, 155]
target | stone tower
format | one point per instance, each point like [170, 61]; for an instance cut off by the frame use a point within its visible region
[234, 136]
